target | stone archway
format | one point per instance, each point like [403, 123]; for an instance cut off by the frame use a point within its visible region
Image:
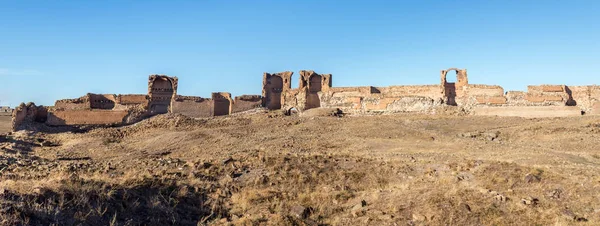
[161, 91]
[452, 90]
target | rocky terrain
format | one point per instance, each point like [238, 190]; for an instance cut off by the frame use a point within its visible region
[266, 168]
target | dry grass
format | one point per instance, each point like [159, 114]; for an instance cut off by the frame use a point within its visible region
[268, 169]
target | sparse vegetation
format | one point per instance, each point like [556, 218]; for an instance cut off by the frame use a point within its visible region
[291, 170]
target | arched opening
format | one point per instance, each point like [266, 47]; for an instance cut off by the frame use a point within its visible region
[450, 87]
[275, 87]
[162, 92]
[291, 111]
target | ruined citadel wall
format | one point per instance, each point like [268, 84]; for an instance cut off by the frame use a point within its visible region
[86, 117]
[162, 90]
[196, 107]
[220, 104]
[380, 99]
[80, 103]
[245, 103]
[28, 113]
[102, 101]
[132, 99]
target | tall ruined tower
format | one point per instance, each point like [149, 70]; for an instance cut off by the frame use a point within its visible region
[453, 90]
[274, 85]
[313, 83]
[162, 90]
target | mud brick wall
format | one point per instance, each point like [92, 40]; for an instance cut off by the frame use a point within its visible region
[86, 117]
[547, 95]
[196, 107]
[245, 103]
[102, 101]
[274, 87]
[529, 111]
[431, 91]
[81, 103]
[221, 104]
[129, 99]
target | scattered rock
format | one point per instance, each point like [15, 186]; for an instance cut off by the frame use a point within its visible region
[418, 217]
[530, 178]
[569, 215]
[530, 201]
[466, 207]
[555, 194]
[228, 160]
[300, 212]
[359, 210]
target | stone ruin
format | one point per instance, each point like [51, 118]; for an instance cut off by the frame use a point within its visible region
[122, 109]
[315, 91]
[5, 111]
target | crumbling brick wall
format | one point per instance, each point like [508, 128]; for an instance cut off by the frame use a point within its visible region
[129, 99]
[102, 101]
[311, 84]
[546, 95]
[196, 107]
[86, 117]
[274, 85]
[221, 103]
[245, 103]
[80, 103]
[26, 114]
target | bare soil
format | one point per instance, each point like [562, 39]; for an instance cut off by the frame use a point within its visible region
[5, 124]
[266, 168]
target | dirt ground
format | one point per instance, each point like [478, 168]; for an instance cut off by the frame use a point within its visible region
[269, 169]
[4, 124]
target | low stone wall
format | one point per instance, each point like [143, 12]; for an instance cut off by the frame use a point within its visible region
[86, 117]
[528, 111]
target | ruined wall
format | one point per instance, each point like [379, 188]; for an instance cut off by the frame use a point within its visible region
[453, 92]
[162, 90]
[528, 111]
[483, 94]
[86, 117]
[245, 103]
[80, 103]
[221, 103]
[547, 95]
[196, 107]
[274, 85]
[129, 99]
[584, 96]
[102, 101]
[417, 98]
[28, 113]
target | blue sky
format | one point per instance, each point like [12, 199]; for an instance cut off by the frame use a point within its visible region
[63, 49]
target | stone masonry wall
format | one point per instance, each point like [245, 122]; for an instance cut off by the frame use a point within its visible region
[86, 117]
[245, 103]
[196, 107]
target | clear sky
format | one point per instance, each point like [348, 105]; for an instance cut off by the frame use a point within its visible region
[64, 49]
